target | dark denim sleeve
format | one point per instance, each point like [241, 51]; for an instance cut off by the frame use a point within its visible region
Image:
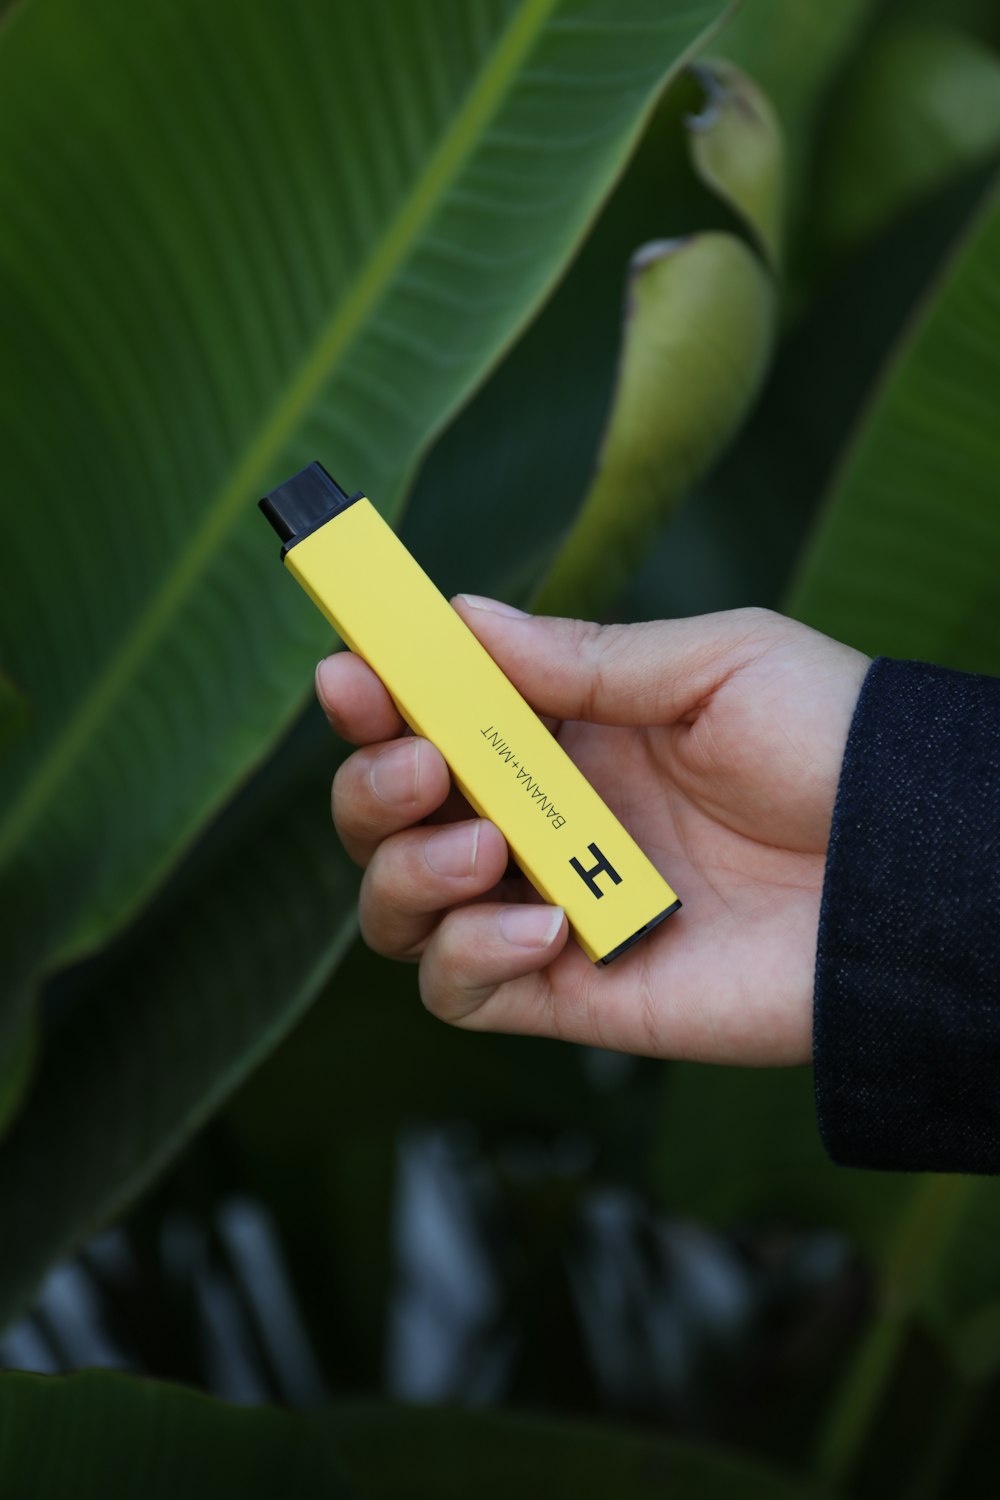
[906, 1024]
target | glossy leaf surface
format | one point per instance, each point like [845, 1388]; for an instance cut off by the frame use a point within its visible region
[906, 559]
[13, 711]
[445, 1455]
[97, 1436]
[922, 106]
[100, 1434]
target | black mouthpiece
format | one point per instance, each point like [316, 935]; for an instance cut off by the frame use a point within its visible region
[308, 500]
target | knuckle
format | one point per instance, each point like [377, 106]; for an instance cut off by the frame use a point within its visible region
[385, 915]
[451, 951]
[371, 911]
[436, 980]
[371, 932]
[384, 885]
[431, 994]
[744, 634]
[451, 968]
[757, 621]
[344, 791]
[597, 646]
[584, 633]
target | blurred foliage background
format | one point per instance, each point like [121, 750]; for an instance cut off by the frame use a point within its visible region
[623, 309]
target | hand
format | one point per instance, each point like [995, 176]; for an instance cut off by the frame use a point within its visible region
[716, 740]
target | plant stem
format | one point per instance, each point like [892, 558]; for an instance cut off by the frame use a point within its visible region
[920, 1240]
[955, 1416]
[858, 1398]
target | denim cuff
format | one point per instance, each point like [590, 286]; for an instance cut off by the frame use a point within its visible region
[906, 1021]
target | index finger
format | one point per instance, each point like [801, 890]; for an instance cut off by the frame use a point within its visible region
[356, 701]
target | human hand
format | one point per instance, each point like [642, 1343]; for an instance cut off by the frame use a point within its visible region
[717, 741]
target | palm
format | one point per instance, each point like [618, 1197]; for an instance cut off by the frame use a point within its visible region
[733, 804]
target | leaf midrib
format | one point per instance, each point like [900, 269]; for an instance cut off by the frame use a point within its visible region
[442, 169]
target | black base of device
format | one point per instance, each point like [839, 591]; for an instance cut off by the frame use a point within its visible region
[609, 958]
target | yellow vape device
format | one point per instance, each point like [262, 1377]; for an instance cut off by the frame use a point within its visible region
[450, 690]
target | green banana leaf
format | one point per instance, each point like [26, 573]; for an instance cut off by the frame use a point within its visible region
[959, 1297]
[923, 105]
[979, 18]
[100, 1434]
[16, 1059]
[16, 1072]
[264, 234]
[905, 561]
[13, 711]
[435, 1454]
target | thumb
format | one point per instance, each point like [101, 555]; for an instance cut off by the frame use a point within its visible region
[653, 673]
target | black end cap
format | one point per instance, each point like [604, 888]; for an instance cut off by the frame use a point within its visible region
[304, 502]
[609, 958]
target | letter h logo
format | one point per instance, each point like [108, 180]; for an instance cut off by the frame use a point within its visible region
[602, 867]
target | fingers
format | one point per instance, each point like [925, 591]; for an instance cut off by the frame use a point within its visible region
[354, 700]
[415, 876]
[358, 705]
[384, 788]
[479, 953]
[653, 673]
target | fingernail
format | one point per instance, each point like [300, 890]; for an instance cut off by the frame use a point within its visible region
[494, 606]
[453, 850]
[322, 694]
[320, 685]
[394, 773]
[530, 926]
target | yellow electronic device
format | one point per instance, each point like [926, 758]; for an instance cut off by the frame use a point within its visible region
[450, 690]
